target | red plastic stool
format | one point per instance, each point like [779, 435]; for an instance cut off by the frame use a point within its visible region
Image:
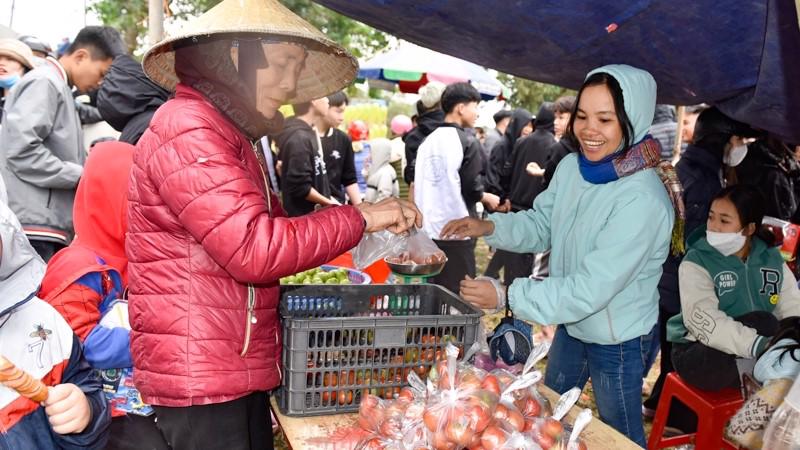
[713, 410]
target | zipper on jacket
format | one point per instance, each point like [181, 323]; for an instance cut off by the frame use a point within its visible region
[747, 285]
[251, 317]
[263, 175]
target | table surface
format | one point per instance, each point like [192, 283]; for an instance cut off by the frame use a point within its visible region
[311, 432]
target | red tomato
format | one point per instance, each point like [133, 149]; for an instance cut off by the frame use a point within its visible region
[545, 441]
[501, 413]
[440, 441]
[469, 382]
[431, 420]
[491, 384]
[493, 437]
[515, 419]
[459, 432]
[532, 407]
[552, 428]
[406, 394]
[479, 417]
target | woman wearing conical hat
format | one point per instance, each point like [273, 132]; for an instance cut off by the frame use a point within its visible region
[207, 241]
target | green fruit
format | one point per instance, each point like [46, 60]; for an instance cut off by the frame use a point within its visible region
[332, 281]
[343, 282]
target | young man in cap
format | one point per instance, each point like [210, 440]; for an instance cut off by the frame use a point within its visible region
[41, 144]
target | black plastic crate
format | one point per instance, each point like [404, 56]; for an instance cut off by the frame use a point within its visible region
[343, 341]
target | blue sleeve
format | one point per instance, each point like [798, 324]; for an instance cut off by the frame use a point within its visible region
[108, 348]
[622, 250]
[81, 374]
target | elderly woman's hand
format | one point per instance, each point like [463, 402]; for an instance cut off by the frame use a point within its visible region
[391, 214]
[479, 293]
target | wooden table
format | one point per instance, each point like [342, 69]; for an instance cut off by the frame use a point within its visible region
[310, 432]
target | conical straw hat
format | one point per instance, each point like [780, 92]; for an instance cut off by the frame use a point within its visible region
[328, 66]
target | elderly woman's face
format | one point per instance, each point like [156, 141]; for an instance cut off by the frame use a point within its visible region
[596, 125]
[277, 82]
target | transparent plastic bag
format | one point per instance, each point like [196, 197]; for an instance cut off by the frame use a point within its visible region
[376, 246]
[419, 249]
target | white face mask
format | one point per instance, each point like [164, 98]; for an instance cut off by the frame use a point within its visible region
[726, 243]
[735, 155]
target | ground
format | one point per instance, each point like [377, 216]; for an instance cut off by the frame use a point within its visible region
[587, 399]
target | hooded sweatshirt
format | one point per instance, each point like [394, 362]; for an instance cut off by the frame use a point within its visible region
[426, 123]
[381, 176]
[86, 281]
[715, 289]
[532, 148]
[303, 166]
[607, 241]
[498, 172]
[37, 340]
[127, 99]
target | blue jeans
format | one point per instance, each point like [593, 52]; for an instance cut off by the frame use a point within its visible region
[616, 372]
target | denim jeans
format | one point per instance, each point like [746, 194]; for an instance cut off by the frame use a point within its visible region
[616, 372]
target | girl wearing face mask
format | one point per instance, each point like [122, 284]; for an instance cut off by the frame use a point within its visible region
[16, 59]
[734, 288]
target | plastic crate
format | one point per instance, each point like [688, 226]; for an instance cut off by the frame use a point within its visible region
[343, 341]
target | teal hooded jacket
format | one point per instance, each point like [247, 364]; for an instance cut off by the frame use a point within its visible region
[607, 241]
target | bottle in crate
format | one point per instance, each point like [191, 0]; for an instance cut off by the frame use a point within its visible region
[783, 431]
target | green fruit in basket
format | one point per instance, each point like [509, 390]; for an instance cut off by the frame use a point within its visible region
[345, 281]
[332, 281]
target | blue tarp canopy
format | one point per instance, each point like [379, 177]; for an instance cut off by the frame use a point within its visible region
[742, 55]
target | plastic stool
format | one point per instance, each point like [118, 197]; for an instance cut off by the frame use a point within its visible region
[713, 410]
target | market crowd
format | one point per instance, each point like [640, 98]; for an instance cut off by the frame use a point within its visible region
[140, 273]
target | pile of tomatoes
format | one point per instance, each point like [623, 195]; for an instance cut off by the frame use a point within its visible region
[463, 407]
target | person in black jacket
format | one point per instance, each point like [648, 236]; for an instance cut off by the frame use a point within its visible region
[770, 167]
[429, 117]
[524, 187]
[498, 172]
[127, 99]
[702, 172]
[565, 145]
[304, 178]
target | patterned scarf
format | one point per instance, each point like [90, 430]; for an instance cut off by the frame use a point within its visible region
[644, 155]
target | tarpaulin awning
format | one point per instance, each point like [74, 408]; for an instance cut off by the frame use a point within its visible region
[411, 66]
[742, 55]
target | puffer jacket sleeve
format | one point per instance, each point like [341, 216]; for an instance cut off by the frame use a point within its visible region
[203, 182]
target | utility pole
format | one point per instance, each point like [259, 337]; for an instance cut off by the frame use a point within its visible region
[155, 21]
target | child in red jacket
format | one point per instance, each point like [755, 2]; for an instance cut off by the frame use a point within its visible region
[35, 338]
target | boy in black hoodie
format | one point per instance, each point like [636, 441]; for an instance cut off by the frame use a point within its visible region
[304, 178]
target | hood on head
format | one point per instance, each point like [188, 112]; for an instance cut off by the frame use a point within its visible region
[545, 118]
[290, 127]
[127, 92]
[665, 113]
[638, 93]
[100, 209]
[21, 268]
[380, 151]
[519, 119]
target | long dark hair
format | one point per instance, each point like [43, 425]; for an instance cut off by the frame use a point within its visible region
[604, 79]
[788, 328]
[749, 204]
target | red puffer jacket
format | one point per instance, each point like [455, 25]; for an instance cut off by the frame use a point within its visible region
[205, 258]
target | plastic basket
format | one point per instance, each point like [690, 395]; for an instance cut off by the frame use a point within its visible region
[343, 341]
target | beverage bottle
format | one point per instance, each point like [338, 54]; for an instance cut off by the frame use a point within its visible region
[783, 431]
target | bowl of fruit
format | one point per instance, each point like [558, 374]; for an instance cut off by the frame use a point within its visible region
[428, 265]
[326, 274]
